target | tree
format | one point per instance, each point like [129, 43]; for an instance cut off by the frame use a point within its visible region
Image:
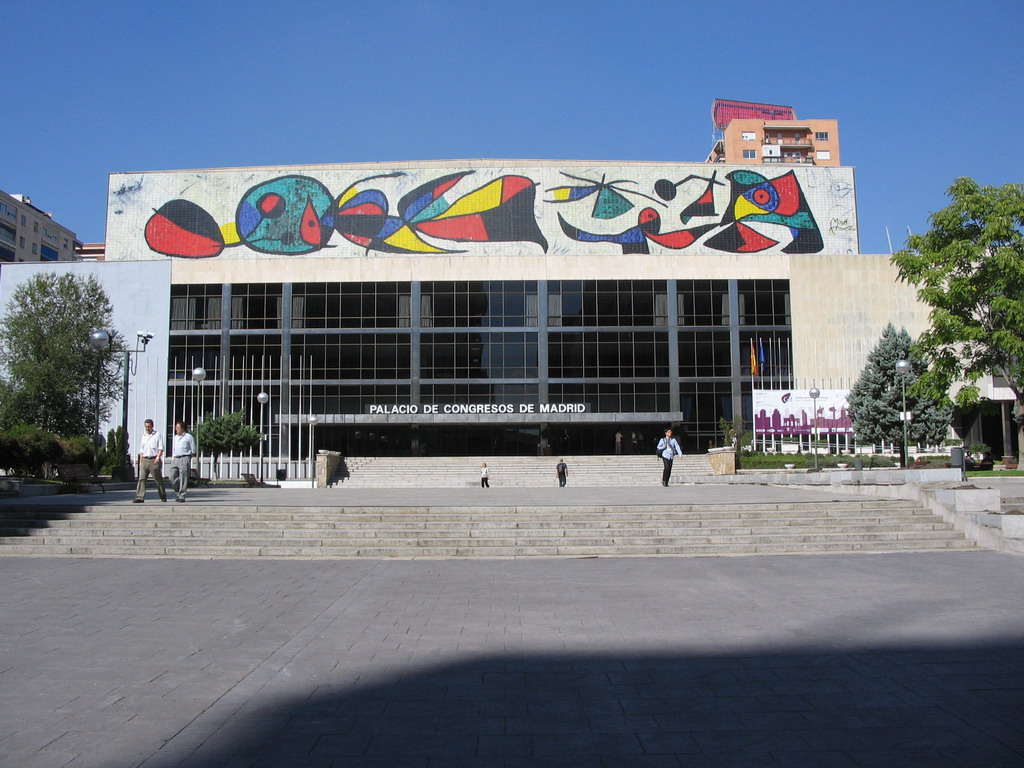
[969, 268]
[49, 368]
[228, 433]
[876, 399]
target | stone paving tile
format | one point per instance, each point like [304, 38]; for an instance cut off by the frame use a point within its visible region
[811, 660]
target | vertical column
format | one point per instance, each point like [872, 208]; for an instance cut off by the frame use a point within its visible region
[415, 336]
[283, 398]
[224, 369]
[543, 376]
[736, 369]
[674, 403]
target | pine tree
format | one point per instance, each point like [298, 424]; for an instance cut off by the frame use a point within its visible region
[876, 400]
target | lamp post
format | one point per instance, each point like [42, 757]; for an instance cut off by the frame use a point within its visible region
[142, 339]
[100, 340]
[815, 393]
[262, 398]
[903, 367]
[199, 376]
[312, 450]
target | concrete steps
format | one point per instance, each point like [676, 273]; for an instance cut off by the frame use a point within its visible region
[503, 532]
[514, 471]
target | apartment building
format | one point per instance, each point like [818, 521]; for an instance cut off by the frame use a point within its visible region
[767, 134]
[28, 233]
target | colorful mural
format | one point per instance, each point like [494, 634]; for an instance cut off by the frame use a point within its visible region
[296, 214]
[481, 210]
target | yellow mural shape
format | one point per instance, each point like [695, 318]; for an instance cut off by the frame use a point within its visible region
[486, 198]
[405, 238]
[229, 232]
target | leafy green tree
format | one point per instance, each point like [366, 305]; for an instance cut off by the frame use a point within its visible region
[969, 268]
[49, 368]
[876, 399]
[228, 433]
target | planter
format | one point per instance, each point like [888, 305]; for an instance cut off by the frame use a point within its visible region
[789, 466]
[842, 465]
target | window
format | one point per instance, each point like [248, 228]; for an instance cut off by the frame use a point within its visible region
[703, 302]
[195, 307]
[607, 302]
[8, 212]
[749, 154]
[351, 356]
[350, 305]
[494, 303]
[256, 306]
[610, 354]
[823, 154]
[6, 233]
[821, 135]
[764, 302]
[748, 136]
[49, 254]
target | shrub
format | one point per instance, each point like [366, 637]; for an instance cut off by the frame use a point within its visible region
[29, 449]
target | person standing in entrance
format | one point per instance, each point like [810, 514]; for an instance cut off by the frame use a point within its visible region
[562, 472]
[668, 449]
[618, 442]
[183, 448]
[151, 454]
[485, 475]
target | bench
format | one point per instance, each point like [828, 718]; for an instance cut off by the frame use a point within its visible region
[250, 480]
[79, 477]
[195, 480]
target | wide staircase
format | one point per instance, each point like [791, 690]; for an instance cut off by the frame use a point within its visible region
[196, 531]
[514, 471]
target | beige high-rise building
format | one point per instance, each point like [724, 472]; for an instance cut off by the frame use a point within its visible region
[30, 234]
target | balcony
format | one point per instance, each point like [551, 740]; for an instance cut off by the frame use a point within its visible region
[789, 160]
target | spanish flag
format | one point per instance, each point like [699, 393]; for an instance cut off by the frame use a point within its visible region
[755, 369]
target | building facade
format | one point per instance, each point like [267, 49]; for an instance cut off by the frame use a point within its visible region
[29, 234]
[503, 307]
[768, 134]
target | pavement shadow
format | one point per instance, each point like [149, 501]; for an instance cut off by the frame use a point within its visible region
[961, 706]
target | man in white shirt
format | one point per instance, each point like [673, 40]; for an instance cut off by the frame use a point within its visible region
[668, 449]
[183, 448]
[151, 455]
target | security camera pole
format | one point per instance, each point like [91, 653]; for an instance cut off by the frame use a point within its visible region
[142, 338]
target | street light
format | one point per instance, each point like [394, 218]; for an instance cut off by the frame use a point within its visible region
[815, 393]
[312, 450]
[142, 339]
[100, 340]
[262, 398]
[199, 376]
[903, 367]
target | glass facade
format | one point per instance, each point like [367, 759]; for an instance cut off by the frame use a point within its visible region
[479, 367]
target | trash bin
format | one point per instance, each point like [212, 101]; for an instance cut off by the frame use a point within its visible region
[956, 457]
[858, 464]
[282, 474]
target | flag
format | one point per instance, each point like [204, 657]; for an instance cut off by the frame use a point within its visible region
[753, 359]
[760, 356]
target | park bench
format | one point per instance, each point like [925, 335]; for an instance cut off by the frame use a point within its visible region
[195, 480]
[250, 479]
[78, 476]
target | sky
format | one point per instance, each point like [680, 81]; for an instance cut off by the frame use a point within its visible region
[924, 92]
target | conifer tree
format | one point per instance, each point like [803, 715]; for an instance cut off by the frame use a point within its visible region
[876, 400]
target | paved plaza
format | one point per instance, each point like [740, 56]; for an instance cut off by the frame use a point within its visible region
[815, 660]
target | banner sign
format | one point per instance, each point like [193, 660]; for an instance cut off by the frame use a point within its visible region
[792, 412]
[412, 409]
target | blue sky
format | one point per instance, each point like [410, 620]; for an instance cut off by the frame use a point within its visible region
[924, 91]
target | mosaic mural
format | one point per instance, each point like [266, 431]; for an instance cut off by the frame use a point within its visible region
[694, 208]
